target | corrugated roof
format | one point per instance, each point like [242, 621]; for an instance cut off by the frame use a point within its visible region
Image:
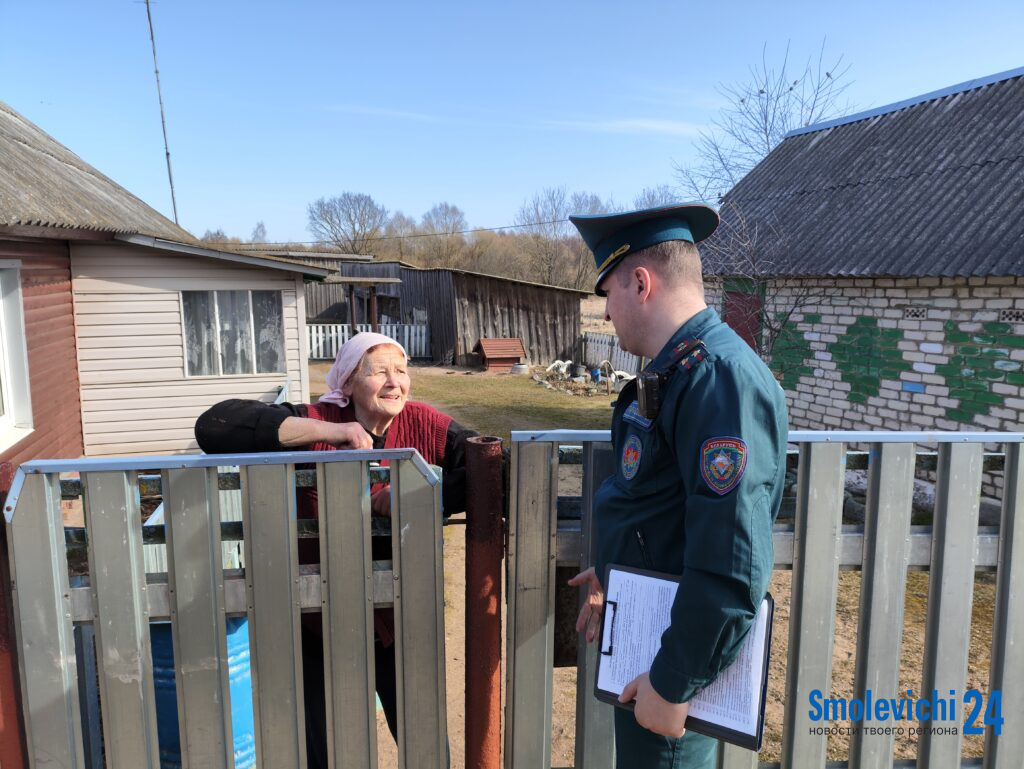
[932, 187]
[44, 184]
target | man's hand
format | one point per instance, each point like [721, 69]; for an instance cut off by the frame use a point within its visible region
[380, 502]
[652, 712]
[590, 612]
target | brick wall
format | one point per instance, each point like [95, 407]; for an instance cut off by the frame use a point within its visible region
[900, 354]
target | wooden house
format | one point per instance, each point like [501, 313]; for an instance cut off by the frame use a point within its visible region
[119, 327]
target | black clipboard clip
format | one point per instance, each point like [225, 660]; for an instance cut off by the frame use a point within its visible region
[612, 606]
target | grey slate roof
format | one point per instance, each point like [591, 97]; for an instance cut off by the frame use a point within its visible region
[929, 187]
[42, 183]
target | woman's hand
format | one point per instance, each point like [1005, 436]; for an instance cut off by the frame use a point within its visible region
[299, 432]
[349, 435]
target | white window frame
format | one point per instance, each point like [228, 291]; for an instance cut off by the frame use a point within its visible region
[216, 320]
[16, 422]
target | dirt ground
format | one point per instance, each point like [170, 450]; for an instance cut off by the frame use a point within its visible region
[844, 649]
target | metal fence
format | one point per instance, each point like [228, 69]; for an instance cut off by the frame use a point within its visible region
[816, 546]
[605, 347]
[324, 339]
[118, 600]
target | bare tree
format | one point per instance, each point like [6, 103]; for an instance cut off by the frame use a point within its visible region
[544, 219]
[398, 241]
[445, 225]
[556, 250]
[259, 233]
[351, 221]
[743, 256]
[759, 112]
[582, 269]
[650, 197]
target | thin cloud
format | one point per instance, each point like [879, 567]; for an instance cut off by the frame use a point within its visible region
[641, 126]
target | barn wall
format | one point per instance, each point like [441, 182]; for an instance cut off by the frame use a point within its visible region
[547, 319]
[432, 291]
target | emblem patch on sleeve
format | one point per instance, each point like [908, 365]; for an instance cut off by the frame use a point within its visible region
[722, 462]
[631, 454]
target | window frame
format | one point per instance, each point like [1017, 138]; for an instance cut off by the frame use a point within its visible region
[252, 335]
[17, 421]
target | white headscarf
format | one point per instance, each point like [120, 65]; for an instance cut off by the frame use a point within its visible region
[347, 360]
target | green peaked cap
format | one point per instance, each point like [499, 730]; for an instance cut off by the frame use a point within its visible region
[612, 237]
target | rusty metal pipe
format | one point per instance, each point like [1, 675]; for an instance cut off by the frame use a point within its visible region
[484, 552]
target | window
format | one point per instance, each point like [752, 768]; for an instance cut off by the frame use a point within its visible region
[15, 395]
[233, 332]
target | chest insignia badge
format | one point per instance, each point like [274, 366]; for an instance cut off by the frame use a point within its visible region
[631, 454]
[722, 462]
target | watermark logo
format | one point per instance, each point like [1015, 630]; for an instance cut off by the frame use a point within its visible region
[933, 714]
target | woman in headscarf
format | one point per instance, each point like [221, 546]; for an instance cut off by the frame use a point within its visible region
[368, 407]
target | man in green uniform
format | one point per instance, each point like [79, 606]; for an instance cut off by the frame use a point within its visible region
[700, 468]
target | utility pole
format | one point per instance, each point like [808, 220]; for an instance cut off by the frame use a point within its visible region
[163, 120]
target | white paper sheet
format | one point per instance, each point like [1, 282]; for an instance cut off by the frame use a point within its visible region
[638, 610]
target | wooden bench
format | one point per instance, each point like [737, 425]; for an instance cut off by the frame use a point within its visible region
[500, 353]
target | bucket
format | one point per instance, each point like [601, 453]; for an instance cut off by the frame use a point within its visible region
[239, 684]
[519, 368]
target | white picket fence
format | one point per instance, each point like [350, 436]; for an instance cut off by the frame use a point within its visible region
[605, 347]
[324, 339]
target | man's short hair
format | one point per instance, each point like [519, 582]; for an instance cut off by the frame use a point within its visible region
[676, 262]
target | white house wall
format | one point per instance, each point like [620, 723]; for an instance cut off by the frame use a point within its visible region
[136, 398]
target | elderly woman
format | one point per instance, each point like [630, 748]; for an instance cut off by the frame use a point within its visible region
[367, 407]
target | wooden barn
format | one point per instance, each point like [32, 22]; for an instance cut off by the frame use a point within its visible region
[463, 307]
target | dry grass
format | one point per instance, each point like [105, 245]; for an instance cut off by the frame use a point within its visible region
[496, 404]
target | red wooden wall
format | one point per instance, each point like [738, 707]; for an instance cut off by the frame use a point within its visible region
[57, 429]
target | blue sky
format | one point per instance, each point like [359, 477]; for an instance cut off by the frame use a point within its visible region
[272, 105]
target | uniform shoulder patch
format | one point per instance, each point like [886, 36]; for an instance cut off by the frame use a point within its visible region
[631, 454]
[722, 462]
[632, 414]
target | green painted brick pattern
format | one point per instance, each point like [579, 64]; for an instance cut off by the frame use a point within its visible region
[791, 352]
[977, 359]
[867, 354]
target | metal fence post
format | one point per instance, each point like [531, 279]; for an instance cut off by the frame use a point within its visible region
[595, 720]
[484, 539]
[1003, 751]
[947, 635]
[531, 605]
[812, 613]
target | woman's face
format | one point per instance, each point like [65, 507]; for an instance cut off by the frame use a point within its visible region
[379, 387]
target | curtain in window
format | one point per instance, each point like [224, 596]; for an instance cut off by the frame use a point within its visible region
[200, 333]
[269, 331]
[235, 332]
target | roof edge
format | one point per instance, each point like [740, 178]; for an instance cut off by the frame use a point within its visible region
[967, 85]
[161, 244]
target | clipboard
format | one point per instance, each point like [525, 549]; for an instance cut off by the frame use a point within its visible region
[635, 635]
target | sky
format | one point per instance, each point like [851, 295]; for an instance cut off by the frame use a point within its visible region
[271, 106]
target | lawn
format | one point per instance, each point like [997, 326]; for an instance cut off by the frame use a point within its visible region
[495, 404]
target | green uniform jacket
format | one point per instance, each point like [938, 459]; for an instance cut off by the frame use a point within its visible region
[695, 494]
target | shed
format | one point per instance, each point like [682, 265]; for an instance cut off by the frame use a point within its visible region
[463, 307]
[501, 354]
